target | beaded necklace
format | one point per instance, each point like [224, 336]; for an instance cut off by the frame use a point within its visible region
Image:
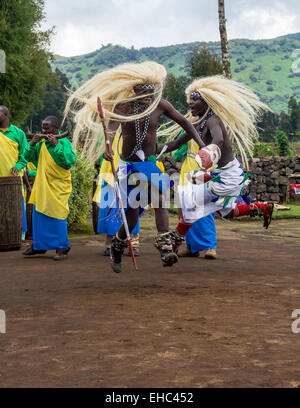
[139, 137]
[204, 121]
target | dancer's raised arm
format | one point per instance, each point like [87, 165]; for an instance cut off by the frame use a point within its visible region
[177, 117]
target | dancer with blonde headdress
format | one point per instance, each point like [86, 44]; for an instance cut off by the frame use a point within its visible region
[131, 95]
[224, 112]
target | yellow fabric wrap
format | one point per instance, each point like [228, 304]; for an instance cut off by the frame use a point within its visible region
[189, 163]
[52, 187]
[9, 154]
[105, 170]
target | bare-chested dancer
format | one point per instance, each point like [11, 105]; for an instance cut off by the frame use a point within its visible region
[131, 95]
[224, 112]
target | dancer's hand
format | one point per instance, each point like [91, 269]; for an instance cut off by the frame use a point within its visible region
[107, 156]
[198, 177]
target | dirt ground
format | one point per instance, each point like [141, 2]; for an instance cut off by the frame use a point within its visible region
[202, 323]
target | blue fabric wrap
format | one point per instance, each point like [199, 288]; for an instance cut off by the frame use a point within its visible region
[202, 235]
[146, 169]
[24, 221]
[110, 224]
[49, 233]
[149, 168]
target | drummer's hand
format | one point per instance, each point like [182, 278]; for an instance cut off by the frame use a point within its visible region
[52, 139]
[35, 140]
[107, 156]
[14, 171]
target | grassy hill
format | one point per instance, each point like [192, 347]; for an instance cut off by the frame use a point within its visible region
[264, 65]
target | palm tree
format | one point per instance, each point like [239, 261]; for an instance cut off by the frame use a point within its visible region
[224, 42]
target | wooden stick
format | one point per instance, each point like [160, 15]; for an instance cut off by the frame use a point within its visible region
[101, 114]
[26, 181]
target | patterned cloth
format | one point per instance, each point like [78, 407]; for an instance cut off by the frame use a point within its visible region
[134, 178]
[219, 194]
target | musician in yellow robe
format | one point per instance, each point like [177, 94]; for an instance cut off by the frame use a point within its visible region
[53, 158]
[12, 145]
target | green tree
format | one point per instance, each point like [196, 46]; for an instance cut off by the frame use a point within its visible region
[267, 126]
[262, 149]
[202, 62]
[294, 118]
[199, 62]
[25, 46]
[282, 143]
[174, 92]
[285, 125]
[52, 101]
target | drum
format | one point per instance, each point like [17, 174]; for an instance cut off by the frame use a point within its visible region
[11, 213]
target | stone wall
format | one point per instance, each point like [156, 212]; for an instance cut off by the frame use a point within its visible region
[270, 177]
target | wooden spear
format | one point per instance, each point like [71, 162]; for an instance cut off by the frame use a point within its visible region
[116, 183]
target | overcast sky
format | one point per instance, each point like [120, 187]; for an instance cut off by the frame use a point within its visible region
[83, 26]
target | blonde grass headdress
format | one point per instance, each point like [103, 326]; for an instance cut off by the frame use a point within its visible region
[238, 107]
[114, 86]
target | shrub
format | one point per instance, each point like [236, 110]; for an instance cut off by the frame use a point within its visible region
[257, 69]
[83, 175]
[262, 149]
[253, 78]
[282, 143]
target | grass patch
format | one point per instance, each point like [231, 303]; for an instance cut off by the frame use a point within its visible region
[80, 230]
[294, 212]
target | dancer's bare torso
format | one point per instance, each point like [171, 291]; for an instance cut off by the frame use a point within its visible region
[214, 132]
[129, 128]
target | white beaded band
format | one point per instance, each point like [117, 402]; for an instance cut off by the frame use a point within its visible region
[195, 93]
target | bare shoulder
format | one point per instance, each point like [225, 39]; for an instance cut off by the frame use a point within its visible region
[165, 105]
[213, 121]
